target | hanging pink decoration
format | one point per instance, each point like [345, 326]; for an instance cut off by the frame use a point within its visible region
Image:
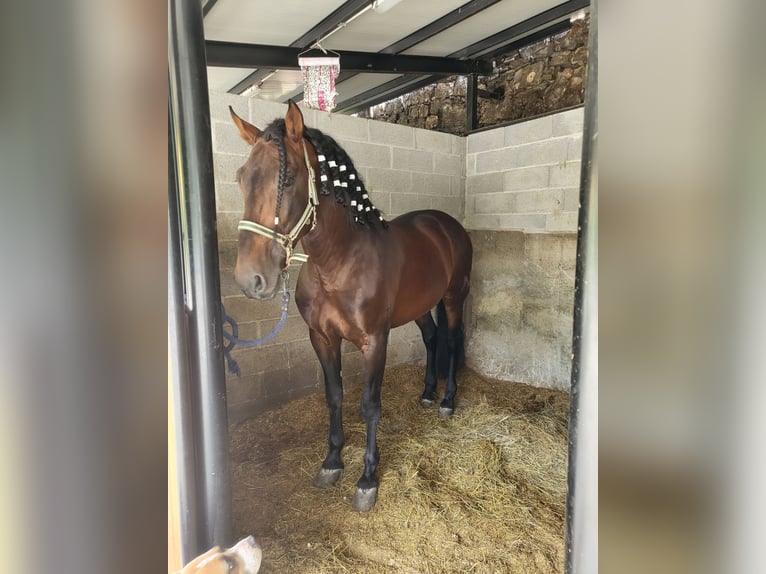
[319, 74]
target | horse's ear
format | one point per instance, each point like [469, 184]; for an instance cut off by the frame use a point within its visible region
[294, 122]
[248, 131]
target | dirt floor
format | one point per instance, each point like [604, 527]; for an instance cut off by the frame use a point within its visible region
[483, 491]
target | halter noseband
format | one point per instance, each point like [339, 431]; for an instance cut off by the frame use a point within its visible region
[288, 240]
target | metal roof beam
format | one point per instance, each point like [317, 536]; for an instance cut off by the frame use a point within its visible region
[447, 21]
[337, 17]
[438, 26]
[234, 55]
[503, 37]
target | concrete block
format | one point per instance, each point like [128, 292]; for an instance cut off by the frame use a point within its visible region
[227, 254]
[405, 202]
[470, 207]
[459, 145]
[565, 174]
[571, 201]
[261, 359]
[226, 139]
[391, 134]
[225, 166]
[342, 127]
[294, 330]
[263, 112]
[368, 155]
[528, 131]
[391, 180]
[574, 148]
[229, 287]
[494, 203]
[538, 201]
[457, 186]
[219, 106]
[352, 363]
[521, 222]
[526, 178]
[486, 140]
[484, 183]
[300, 352]
[569, 122]
[470, 164]
[228, 197]
[431, 184]
[247, 389]
[448, 164]
[562, 221]
[245, 310]
[381, 200]
[455, 206]
[429, 140]
[413, 160]
[227, 222]
[546, 152]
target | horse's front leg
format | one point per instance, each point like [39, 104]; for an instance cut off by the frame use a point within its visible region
[327, 348]
[374, 352]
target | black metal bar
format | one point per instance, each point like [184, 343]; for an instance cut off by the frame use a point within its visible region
[191, 122]
[178, 352]
[472, 103]
[528, 25]
[581, 548]
[208, 6]
[438, 26]
[250, 80]
[234, 55]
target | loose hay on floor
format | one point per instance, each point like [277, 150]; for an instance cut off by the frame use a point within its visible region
[483, 491]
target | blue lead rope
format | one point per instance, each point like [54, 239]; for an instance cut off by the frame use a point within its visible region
[233, 337]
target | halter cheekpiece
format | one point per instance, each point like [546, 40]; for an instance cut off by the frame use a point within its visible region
[289, 239]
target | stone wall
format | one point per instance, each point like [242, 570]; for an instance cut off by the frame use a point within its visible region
[404, 169]
[541, 78]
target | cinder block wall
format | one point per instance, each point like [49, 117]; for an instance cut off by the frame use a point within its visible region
[404, 169]
[522, 195]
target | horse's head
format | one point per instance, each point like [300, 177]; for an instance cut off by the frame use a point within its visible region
[274, 183]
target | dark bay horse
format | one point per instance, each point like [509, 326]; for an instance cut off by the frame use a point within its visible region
[363, 276]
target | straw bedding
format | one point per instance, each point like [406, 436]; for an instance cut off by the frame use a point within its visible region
[483, 491]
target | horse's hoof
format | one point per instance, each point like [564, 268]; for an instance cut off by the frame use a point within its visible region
[445, 412]
[364, 499]
[426, 403]
[327, 477]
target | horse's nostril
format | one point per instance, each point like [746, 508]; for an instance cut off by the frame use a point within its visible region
[258, 283]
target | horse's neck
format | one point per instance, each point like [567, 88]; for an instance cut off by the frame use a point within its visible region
[333, 235]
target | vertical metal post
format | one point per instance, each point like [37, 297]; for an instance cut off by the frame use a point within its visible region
[178, 356]
[194, 158]
[472, 103]
[582, 495]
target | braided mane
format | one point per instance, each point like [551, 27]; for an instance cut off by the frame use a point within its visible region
[337, 173]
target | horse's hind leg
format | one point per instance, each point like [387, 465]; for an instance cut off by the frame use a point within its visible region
[428, 330]
[454, 309]
[374, 352]
[328, 352]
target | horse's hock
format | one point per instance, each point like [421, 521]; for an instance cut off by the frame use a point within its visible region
[515, 189]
